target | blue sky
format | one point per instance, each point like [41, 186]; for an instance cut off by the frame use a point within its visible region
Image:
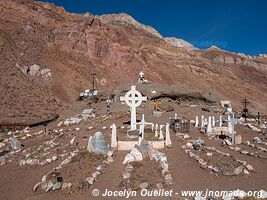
[235, 25]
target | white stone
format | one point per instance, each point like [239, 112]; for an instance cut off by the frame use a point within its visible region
[156, 130]
[161, 136]
[196, 123]
[220, 121]
[209, 127]
[213, 121]
[168, 141]
[72, 140]
[114, 142]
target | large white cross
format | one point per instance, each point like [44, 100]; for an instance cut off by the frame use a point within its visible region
[133, 99]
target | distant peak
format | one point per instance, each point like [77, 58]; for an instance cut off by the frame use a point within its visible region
[214, 47]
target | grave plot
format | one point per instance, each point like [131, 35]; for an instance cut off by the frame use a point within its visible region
[214, 160]
[255, 148]
[80, 170]
[142, 175]
[145, 168]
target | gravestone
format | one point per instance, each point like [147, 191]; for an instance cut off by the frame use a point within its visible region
[15, 143]
[168, 142]
[114, 142]
[220, 122]
[209, 127]
[98, 144]
[196, 123]
[213, 121]
[156, 130]
[161, 136]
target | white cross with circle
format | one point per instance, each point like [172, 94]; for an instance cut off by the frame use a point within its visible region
[133, 99]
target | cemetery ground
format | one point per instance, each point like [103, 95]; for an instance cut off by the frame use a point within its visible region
[215, 165]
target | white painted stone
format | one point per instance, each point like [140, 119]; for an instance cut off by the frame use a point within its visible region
[156, 130]
[196, 123]
[114, 143]
[161, 136]
[209, 127]
[168, 141]
[220, 121]
[213, 121]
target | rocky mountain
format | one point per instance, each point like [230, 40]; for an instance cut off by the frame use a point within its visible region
[47, 56]
[179, 43]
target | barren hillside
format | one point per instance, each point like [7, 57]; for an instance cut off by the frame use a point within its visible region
[47, 56]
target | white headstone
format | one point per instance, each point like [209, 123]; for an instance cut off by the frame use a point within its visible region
[161, 136]
[220, 122]
[133, 99]
[229, 125]
[202, 121]
[168, 142]
[114, 142]
[209, 127]
[196, 124]
[213, 121]
[156, 130]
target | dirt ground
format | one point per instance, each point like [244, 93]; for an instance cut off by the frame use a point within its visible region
[17, 182]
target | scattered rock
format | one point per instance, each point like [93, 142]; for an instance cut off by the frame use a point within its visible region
[49, 186]
[244, 152]
[238, 170]
[216, 169]
[249, 167]
[57, 186]
[227, 173]
[159, 185]
[186, 136]
[168, 179]
[143, 185]
[36, 186]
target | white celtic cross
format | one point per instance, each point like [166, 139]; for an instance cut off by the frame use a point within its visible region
[133, 99]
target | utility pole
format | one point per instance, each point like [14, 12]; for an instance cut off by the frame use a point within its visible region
[245, 109]
[93, 75]
[258, 118]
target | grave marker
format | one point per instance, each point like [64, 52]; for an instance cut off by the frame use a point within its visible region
[133, 99]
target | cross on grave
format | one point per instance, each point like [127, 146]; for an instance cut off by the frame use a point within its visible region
[141, 74]
[143, 123]
[133, 99]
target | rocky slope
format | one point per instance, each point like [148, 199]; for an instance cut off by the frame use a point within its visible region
[48, 55]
